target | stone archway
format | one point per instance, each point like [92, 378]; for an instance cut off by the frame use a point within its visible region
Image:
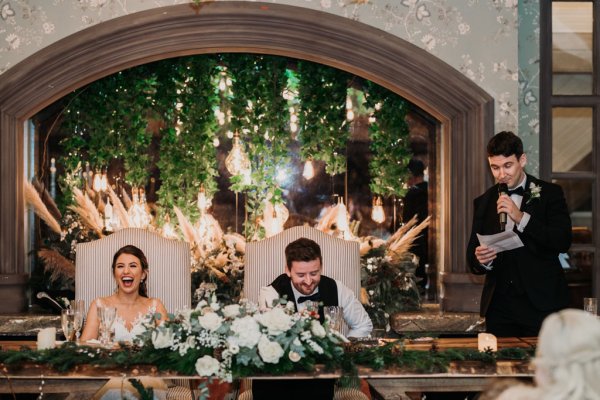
[464, 110]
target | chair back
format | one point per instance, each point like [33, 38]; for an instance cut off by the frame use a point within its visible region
[265, 260]
[169, 276]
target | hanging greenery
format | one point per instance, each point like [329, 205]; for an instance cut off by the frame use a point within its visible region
[259, 106]
[188, 158]
[389, 146]
[324, 132]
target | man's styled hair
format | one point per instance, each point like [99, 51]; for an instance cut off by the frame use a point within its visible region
[416, 167]
[302, 249]
[505, 144]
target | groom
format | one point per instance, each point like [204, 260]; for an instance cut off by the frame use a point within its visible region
[523, 285]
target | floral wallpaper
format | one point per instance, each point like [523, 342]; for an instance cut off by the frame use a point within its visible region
[480, 38]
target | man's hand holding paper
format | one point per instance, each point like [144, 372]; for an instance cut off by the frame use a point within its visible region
[502, 241]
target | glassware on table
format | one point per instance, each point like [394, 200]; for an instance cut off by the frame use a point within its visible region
[334, 317]
[590, 304]
[67, 320]
[106, 316]
[78, 306]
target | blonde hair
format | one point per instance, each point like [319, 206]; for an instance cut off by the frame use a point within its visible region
[568, 356]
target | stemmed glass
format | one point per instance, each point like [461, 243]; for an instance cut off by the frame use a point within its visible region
[67, 319]
[106, 316]
[78, 306]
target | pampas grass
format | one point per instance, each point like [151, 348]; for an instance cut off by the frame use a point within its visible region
[126, 199]
[404, 243]
[60, 268]
[33, 199]
[47, 199]
[87, 211]
[118, 208]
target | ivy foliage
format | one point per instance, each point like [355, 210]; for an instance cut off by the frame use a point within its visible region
[158, 123]
[389, 142]
[324, 132]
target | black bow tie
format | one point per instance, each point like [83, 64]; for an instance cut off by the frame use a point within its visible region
[312, 297]
[518, 191]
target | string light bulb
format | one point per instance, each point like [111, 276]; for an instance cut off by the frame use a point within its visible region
[309, 171]
[237, 160]
[377, 213]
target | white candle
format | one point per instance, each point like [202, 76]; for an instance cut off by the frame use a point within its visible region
[46, 338]
[487, 341]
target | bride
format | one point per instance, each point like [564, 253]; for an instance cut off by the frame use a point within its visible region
[134, 307]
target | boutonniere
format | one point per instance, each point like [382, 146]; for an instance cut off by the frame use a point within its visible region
[535, 192]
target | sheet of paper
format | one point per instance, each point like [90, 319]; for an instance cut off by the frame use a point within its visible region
[502, 241]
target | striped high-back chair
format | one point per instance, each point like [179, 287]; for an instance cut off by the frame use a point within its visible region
[169, 277]
[265, 259]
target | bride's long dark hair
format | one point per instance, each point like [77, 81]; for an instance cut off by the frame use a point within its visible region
[139, 254]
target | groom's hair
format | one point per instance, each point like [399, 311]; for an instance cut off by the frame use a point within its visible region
[302, 249]
[505, 144]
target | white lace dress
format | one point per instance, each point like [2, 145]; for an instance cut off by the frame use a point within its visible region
[122, 334]
[117, 388]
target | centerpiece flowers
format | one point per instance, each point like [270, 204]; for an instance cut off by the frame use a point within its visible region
[226, 341]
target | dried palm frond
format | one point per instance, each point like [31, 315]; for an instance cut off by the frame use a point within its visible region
[47, 199]
[60, 268]
[126, 199]
[118, 208]
[237, 240]
[404, 244]
[369, 243]
[87, 212]
[33, 199]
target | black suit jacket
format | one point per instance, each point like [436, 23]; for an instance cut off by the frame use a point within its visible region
[547, 234]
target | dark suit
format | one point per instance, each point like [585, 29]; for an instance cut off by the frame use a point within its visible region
[528, 283]
[415, 202]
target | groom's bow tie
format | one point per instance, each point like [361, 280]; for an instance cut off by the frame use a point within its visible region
[518, 191]
[312, 297]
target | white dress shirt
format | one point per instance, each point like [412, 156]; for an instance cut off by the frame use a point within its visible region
[355, 315]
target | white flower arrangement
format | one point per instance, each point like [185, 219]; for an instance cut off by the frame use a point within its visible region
[223, 341]
[535, 192]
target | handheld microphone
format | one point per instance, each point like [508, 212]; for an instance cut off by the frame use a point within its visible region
[502, 189]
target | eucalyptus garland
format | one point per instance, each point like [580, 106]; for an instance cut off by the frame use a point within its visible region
[389, 135]
[324, 132]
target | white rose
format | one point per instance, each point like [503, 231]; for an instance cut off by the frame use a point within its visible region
[269, 351]
[207, 366]
[275, 320]
[317, 329]
[293, 356]
[201, 304]
[233, 348]
[231, 310]
[215, 306]
[246, 330]
[211, 321]
[162, 338]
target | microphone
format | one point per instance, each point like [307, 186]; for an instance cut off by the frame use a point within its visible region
[502, 189]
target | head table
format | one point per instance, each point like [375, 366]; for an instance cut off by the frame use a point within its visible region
[461, 376]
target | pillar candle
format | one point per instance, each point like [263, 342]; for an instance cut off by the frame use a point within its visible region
[487, 341]
[46, 338]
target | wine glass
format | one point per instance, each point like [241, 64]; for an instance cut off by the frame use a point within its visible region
[78, 306]
[67, 319]
[107, 316]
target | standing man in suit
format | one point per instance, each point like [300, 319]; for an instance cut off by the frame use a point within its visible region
[415, 203]
[523, 285]
[301, 282]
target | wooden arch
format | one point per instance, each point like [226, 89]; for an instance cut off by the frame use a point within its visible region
[464, 110]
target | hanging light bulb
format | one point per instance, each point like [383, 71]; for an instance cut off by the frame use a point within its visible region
[223, 81]
[203, 201]
[97, 185]
[349, 108]
[342, 219]
[237, 160]
[309, 171]
[103, 182]
[108, 215]
[377, 213]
